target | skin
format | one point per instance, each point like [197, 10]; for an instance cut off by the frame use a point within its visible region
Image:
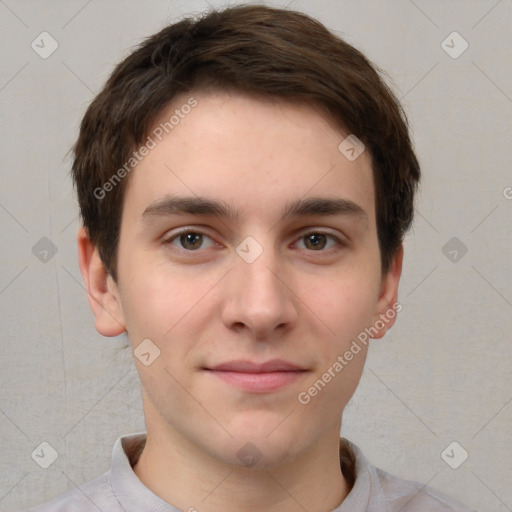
[297, 302]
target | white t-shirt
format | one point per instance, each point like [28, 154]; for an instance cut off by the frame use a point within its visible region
[120, 490]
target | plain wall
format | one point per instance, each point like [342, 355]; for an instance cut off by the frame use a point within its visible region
[442, 374]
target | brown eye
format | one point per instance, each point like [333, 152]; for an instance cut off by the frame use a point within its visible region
[317, 241]
[191, 241]
[188, 240]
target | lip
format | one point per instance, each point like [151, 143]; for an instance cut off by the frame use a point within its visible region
[245, 366]
[258, 377]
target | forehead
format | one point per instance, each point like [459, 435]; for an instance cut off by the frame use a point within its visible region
[255, 155]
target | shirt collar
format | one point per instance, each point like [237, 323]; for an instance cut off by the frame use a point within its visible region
[367, 494]
[131, 493]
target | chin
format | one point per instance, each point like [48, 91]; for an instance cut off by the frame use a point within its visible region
[266, 444]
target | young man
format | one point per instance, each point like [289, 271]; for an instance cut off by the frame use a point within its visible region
[245, 181]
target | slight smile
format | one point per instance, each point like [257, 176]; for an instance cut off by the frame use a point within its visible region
[258, 377]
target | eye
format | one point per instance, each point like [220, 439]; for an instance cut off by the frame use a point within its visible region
[189, 240]
[318, 240]
[192, 240]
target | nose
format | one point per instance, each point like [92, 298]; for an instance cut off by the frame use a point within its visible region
[258, 297]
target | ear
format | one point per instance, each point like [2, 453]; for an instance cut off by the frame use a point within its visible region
[387, 305]
[101, 288]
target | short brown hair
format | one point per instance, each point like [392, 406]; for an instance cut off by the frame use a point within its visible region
[255, 49]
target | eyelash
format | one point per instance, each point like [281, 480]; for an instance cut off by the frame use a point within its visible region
[339, 242]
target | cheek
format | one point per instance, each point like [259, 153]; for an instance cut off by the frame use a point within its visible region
[331, 388]
[152, 304]
[354, 312]
[162, 304]
[346, 302]
[341, 356]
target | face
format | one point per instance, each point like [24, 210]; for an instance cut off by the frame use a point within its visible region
[249, 257]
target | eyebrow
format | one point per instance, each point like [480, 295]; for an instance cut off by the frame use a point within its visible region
[306, 207]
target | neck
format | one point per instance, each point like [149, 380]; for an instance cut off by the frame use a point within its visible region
[187, 478]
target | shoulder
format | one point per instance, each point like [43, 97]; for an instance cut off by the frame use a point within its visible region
[412, 496]
[380, 491]
[91, 496]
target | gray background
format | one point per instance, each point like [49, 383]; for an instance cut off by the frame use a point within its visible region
[441, 375]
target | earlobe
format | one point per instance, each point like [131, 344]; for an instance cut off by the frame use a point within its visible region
[101, 288]
[387, 305]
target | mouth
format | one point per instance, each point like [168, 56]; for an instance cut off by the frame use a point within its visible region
[258, 377]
